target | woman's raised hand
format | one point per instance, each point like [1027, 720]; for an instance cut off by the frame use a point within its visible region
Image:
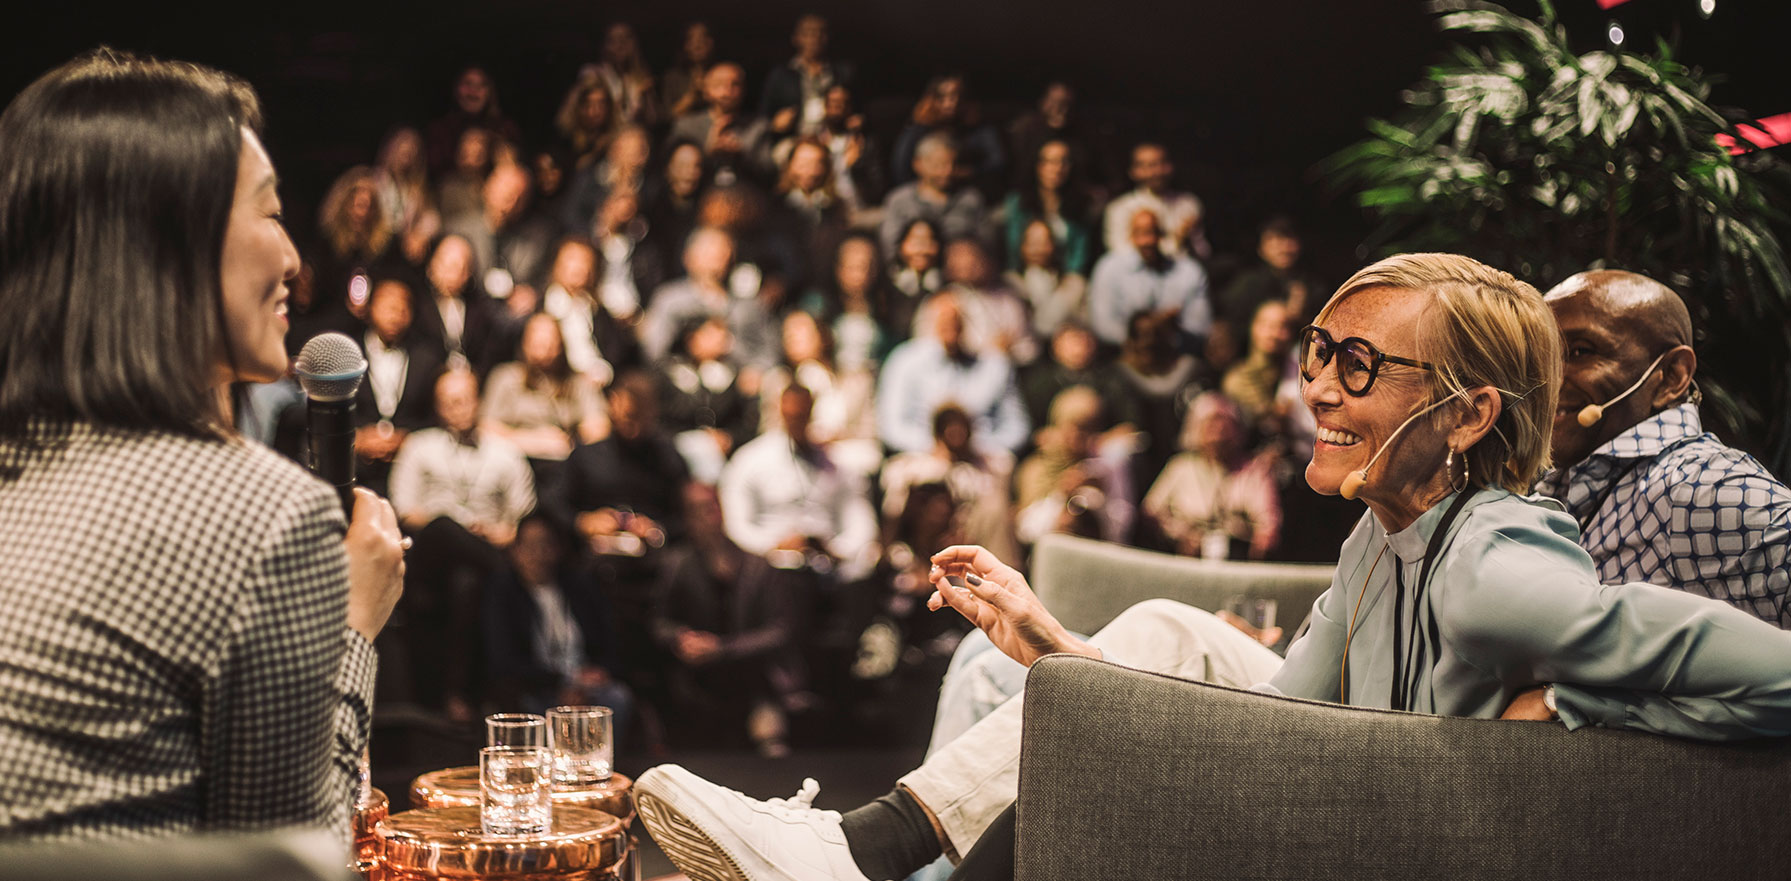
[998, 601]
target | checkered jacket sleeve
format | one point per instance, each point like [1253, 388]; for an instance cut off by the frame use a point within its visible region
[290, 662]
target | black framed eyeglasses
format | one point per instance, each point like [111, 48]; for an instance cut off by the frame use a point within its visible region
[1358, 361]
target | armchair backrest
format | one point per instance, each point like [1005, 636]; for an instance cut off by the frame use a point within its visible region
[1086, 583]
[1134, 775]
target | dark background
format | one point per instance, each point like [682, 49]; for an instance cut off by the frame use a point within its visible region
[1248, 95]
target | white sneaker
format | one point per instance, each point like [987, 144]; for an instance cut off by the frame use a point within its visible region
[716, 834]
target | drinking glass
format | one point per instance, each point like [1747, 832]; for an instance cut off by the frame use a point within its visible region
[515, 790]
[1258, 612]
[515, 729]
[583, 740]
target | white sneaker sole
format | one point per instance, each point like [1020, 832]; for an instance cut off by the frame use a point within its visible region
[686, 844]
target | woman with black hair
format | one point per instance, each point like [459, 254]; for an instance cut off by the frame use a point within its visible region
[188, 637]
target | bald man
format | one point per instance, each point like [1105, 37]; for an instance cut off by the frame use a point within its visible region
[1658, 498]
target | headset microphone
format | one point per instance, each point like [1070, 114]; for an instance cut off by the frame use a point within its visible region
[1355, 480]
[1592, 413]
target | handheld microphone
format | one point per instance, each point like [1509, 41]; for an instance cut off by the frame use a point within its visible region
[1592, 413]
[329, 368]
[1355, 480]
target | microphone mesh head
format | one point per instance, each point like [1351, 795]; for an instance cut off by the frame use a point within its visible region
[330, 367]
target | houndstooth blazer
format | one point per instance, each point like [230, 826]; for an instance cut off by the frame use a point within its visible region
[174, 648]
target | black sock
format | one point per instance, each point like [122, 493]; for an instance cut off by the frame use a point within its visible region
[890, 838]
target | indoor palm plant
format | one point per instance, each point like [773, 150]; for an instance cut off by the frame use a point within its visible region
[1536, 159]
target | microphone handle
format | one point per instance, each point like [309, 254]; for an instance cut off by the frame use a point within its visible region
[330, 427]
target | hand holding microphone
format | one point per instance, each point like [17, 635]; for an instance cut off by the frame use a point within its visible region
[330, 368]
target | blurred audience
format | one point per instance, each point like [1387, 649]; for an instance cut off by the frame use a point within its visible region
[540, 404]
[1180, 216]
[938, 367]
[1144, 277]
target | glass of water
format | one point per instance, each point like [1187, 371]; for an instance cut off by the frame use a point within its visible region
[515, 729]
[583, 740]
[515, 790]
[1258, 612]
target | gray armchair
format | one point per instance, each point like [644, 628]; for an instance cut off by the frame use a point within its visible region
[1134, 775]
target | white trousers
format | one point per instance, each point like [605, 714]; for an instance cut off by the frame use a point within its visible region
[974, 777]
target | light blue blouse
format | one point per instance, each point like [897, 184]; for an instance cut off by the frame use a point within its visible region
[1515, 603]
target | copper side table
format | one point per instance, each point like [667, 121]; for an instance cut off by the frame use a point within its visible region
[367, 816]
[433, 843]
[459, 787]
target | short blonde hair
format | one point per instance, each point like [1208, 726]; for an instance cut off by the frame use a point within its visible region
[1484, 328]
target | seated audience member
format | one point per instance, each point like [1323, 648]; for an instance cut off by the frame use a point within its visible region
[587, 121]
[460, 495]
[1658, 498]
[735, 142]
[624, 70]
[937, 368]
[915, 273]
[1143, 276]
[540, 404]
[356, 235]
[1163, 381]
[623, 167]
[401, 178]
[1254, 383]
[807, 198]
[681, 86]
[510, 246]
[1053, 295]
[783, 492]
[1518, 603]
[995, 318]
[731, 622]
[945, 109]
[709, 404]
[630, 267]
[1180, 216]
[767, 255]
[623, 496]
[857, 166]
[928, 521]
[1052, 194]
[457, 188]
[933, 194]
[1277, 277]
[397, 396]
[550, 637]
[1214, 499]
[844, 420]
[552, 191]
[1054, 118]
[596, 340]
[455, 316]
[854, 303]
[978, 477]
[707, 290]
[475, 107]
[1072, 362]
[1069, 484]
[795, 96]
[671, 209]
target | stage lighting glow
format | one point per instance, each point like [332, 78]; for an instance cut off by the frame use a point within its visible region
[1615, 32]
[1706, 8]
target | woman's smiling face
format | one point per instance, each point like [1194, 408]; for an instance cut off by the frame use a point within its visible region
[1352, 429]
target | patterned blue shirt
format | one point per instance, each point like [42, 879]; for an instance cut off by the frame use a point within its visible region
[1667, 503]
